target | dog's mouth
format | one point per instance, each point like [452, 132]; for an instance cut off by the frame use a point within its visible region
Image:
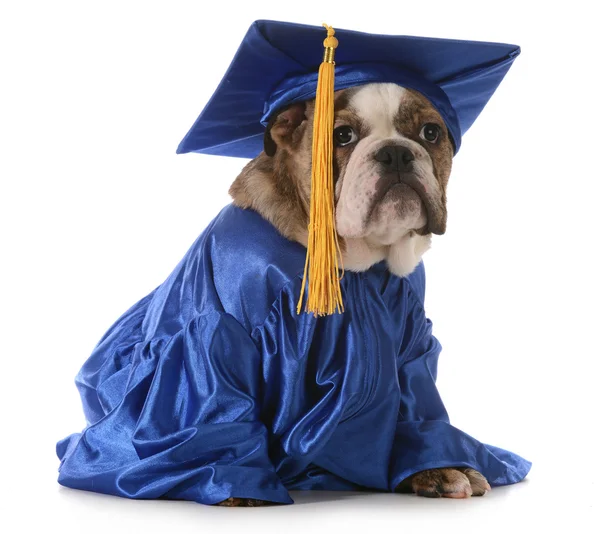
[435, 215]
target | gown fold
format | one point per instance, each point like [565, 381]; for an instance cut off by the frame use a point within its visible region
[212, 386]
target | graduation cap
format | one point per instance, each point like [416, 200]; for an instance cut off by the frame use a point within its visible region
[280, 63]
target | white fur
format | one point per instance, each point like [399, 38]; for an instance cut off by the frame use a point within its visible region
[378, 105]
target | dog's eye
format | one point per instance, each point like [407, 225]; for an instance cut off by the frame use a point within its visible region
[430, 132]
[344, 135]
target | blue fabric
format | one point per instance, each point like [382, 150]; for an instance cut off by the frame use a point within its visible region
[213, 387]
[277, 64]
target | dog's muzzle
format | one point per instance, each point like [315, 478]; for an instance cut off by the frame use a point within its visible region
[397, 165]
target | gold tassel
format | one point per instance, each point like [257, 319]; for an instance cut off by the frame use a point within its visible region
[324, 295]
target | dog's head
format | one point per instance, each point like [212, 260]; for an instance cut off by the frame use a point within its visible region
[393, 156]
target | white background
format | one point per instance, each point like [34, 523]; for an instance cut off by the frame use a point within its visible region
[97, 209]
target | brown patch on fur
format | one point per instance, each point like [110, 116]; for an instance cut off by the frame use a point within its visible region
[276, 183]
[234, 502]
[278, 186]
[282, 127]
[342, 98]
[266, 186]
[411, 117]
[454, 483]
[409, 120]
[346, 115]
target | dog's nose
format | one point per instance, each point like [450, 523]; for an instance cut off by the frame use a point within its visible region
[397, 158]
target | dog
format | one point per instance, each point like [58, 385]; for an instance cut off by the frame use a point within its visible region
[213, 388]
[392, 161]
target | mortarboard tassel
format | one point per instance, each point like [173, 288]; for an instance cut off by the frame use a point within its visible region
[324, 295]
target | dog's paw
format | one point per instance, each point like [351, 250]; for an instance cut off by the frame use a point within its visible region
[235, 501]
[479, 484]
[455, 483]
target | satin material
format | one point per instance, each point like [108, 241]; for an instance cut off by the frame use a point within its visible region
[212, 386]
[277, 62]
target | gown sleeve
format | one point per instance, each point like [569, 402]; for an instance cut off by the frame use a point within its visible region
[177, 418]
[424, 437]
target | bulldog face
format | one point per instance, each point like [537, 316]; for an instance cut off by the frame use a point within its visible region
[394, 157]
[392, 161]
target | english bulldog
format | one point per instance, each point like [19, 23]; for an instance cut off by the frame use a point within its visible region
[392, 161]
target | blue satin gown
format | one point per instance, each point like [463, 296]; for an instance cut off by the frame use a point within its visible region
[213, 387]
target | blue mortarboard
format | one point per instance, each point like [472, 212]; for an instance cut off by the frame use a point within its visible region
[277, 65]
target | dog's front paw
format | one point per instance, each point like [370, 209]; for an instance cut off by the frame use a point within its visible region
[455, 483]
[235, 501]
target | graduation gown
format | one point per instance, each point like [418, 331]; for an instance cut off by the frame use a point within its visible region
[212, 386]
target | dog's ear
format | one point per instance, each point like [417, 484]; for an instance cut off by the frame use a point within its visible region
[281, 127]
